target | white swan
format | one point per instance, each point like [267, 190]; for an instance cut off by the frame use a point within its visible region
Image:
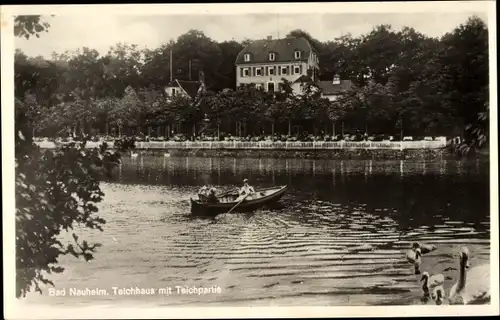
[438, 294]
[424, 248]
[414, 256]
[431, 282]
[166, 155]
[473, 286]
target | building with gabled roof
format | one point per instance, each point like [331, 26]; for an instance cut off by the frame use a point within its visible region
[332, 89]
[266, 62]
[186, 87]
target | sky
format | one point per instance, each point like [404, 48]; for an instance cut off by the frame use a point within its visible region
[100, 31]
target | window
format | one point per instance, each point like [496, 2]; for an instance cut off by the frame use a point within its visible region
[271, 71]
[297, 54]
[296, 69]
[173, 91]
[246, 72]
[247, 57]
[272, 56]
[270, 86]
[283, 70]
[258, 71]
[258, 86]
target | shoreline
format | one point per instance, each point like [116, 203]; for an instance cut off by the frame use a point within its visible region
[360, 154]
[355, 151]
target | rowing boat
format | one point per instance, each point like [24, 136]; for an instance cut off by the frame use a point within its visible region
[228, 201]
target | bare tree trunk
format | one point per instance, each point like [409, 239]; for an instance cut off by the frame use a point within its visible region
[272, 129]
[333, 128]
[289, 127]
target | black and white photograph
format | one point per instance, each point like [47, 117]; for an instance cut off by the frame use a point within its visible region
[267, 158]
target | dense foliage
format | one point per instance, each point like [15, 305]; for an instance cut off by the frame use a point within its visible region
[404, 81]
[56, 190]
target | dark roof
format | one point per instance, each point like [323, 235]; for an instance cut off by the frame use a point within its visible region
[191, 87]
[284, 49]
[328, 88]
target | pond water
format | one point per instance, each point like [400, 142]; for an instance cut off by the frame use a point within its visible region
[340, 237]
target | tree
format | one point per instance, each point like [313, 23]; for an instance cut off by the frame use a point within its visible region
[56, 190]
[27, 26]
[405, 81]
[202, 53]
[465, 71]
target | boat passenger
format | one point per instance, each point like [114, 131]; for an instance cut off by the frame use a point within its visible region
[245, 190]
[212, 198]
[203, 193]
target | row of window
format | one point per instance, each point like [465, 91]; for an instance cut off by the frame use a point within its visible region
[270, 71]
[270, 86]
[272, 56]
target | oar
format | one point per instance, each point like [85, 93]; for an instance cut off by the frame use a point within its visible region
[227, 192]
[239, 203]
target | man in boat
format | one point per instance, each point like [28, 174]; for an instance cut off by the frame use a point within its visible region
[212, 198]
[245, 190]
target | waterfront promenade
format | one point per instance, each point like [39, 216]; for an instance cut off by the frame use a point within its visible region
[269, 145]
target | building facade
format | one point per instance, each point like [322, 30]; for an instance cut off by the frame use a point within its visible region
[332, 89]
[266, 62]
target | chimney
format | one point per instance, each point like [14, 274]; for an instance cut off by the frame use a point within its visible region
[269, 37]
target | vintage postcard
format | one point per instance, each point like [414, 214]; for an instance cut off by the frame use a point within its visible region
[248, 160]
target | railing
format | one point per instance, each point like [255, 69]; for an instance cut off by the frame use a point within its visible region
[322, 145]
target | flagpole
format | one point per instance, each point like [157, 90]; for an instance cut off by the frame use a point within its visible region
[171, 74]
[189, 69]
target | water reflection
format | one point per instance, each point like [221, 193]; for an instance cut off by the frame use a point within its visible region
[424, 193]
[340, 238]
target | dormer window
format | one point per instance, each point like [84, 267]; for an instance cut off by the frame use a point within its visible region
[272, 56]
[336, 79]
[246, 57]
[297, 54]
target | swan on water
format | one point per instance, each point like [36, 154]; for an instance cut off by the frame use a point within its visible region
[473, 286]
[424, 248]
[166, 155]
[431, 282]
[438, 294]
[414, 256]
